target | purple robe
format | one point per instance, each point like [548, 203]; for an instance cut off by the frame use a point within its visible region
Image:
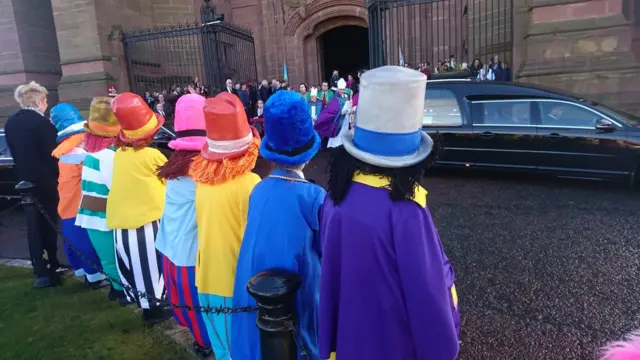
[330, 119]
[385, 288]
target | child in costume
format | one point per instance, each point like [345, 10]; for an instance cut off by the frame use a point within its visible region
[178, 233]
[135, 203]
[282, 224]
[70, 125]
[382, 253]
[224, 181]
[101, 130]
[629, 349]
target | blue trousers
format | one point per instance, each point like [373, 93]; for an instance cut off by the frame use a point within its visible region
[82, 243]
[218, 326]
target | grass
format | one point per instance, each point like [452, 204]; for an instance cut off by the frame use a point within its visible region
[73, 322]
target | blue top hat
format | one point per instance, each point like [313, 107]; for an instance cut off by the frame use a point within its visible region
[67, 120]
[388, 122]
[290, 139]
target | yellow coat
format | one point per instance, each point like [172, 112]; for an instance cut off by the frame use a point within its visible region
[221, 214]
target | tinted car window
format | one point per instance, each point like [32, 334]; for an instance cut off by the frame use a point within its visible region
[4, 148]
[554, 113]
[441, 109]
[503, 113]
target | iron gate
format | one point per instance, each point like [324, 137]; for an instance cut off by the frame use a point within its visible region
[420, 31]
[185, 55]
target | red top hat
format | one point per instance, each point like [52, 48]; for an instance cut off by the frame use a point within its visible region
[228, 132]
[137, 121]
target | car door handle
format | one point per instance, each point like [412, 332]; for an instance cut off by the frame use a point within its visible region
[486, 134]
[554, 136]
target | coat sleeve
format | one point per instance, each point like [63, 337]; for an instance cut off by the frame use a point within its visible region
[329, 282]
[424, 283]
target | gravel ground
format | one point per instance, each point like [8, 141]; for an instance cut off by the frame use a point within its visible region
[546, 269]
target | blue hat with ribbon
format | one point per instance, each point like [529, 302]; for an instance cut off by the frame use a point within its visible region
[388, 121]
[290, 139]
[67, 120]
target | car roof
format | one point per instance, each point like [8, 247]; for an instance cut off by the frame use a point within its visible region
[499, 89]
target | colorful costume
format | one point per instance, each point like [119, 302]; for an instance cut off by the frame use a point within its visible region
[136, 201]
[333, 122]
[100, 130]
[286, 238]
[71, 155]
[178, 233]
[387, 288]
[629, 349]
[224, 181]
[315, 105]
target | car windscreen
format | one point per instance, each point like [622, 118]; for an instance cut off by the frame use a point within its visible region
[5, 155]
[630, 119]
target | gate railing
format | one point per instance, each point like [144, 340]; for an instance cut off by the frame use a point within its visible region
[420, 31]
[182, 55]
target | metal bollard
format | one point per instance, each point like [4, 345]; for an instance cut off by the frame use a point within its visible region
[36, 250]
[274, 292]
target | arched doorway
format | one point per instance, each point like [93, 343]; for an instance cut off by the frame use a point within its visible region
[343, 48]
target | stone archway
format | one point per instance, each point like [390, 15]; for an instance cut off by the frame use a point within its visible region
[303, 28]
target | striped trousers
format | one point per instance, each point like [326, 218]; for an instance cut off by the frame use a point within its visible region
[139, 263]
[181, 289]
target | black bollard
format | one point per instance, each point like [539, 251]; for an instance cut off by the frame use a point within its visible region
[39, 257]
[274, 291]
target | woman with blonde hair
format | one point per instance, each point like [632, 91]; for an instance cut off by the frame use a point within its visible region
[31, 138]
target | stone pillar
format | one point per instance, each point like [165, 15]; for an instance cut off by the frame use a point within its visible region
[28, 50]
[586, 47]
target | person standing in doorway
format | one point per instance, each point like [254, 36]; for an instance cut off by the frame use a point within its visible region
[334, 80]
[334, 121]
[325, 94]
[31, 139]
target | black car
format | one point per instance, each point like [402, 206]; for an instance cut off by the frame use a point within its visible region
[8, 177]
[486, 124]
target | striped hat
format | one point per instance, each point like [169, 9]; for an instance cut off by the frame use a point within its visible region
[102, 122]
[388, 123]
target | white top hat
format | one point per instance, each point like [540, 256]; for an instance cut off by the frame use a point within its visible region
[342, 84]
[388, 124]
[314, 91]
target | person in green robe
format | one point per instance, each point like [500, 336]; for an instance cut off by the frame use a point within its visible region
[325, 95]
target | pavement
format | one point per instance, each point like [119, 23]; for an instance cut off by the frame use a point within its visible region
[545, 268]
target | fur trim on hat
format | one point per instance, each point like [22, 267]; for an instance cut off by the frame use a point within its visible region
[218, 172]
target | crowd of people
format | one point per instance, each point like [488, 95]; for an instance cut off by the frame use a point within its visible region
[496, 69]
[194, 228]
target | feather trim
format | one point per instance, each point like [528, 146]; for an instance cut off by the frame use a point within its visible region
[217, 172]
[67, 145]
[628, 349]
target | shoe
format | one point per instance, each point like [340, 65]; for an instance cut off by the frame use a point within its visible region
[201, 352]
[98, 284]
[46, 281]
[155, 315]
[123, 301]
[116, 294]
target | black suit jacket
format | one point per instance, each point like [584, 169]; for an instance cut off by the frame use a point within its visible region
[32, 139]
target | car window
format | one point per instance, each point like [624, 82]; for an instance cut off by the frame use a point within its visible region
[503, 113]
[441, 108]
[553, 113]
[4, 148]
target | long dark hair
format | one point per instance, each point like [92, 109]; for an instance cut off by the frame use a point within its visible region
[402, 181]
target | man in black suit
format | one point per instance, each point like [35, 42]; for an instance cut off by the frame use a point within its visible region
[229, 87]
[32, 138]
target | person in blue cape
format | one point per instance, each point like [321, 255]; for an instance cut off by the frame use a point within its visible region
[282, 224]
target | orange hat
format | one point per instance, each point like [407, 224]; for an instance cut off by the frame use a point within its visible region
[137, 121]
[228, 132]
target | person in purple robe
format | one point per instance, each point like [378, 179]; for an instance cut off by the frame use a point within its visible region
[386, 288]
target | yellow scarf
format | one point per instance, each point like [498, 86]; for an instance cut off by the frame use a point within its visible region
[376, 181]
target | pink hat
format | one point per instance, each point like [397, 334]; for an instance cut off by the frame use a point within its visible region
[189, 124]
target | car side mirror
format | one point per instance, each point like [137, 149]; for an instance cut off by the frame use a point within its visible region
[605, 125]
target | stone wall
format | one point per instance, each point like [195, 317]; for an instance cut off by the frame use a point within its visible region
[28, 50]
[587, 48]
